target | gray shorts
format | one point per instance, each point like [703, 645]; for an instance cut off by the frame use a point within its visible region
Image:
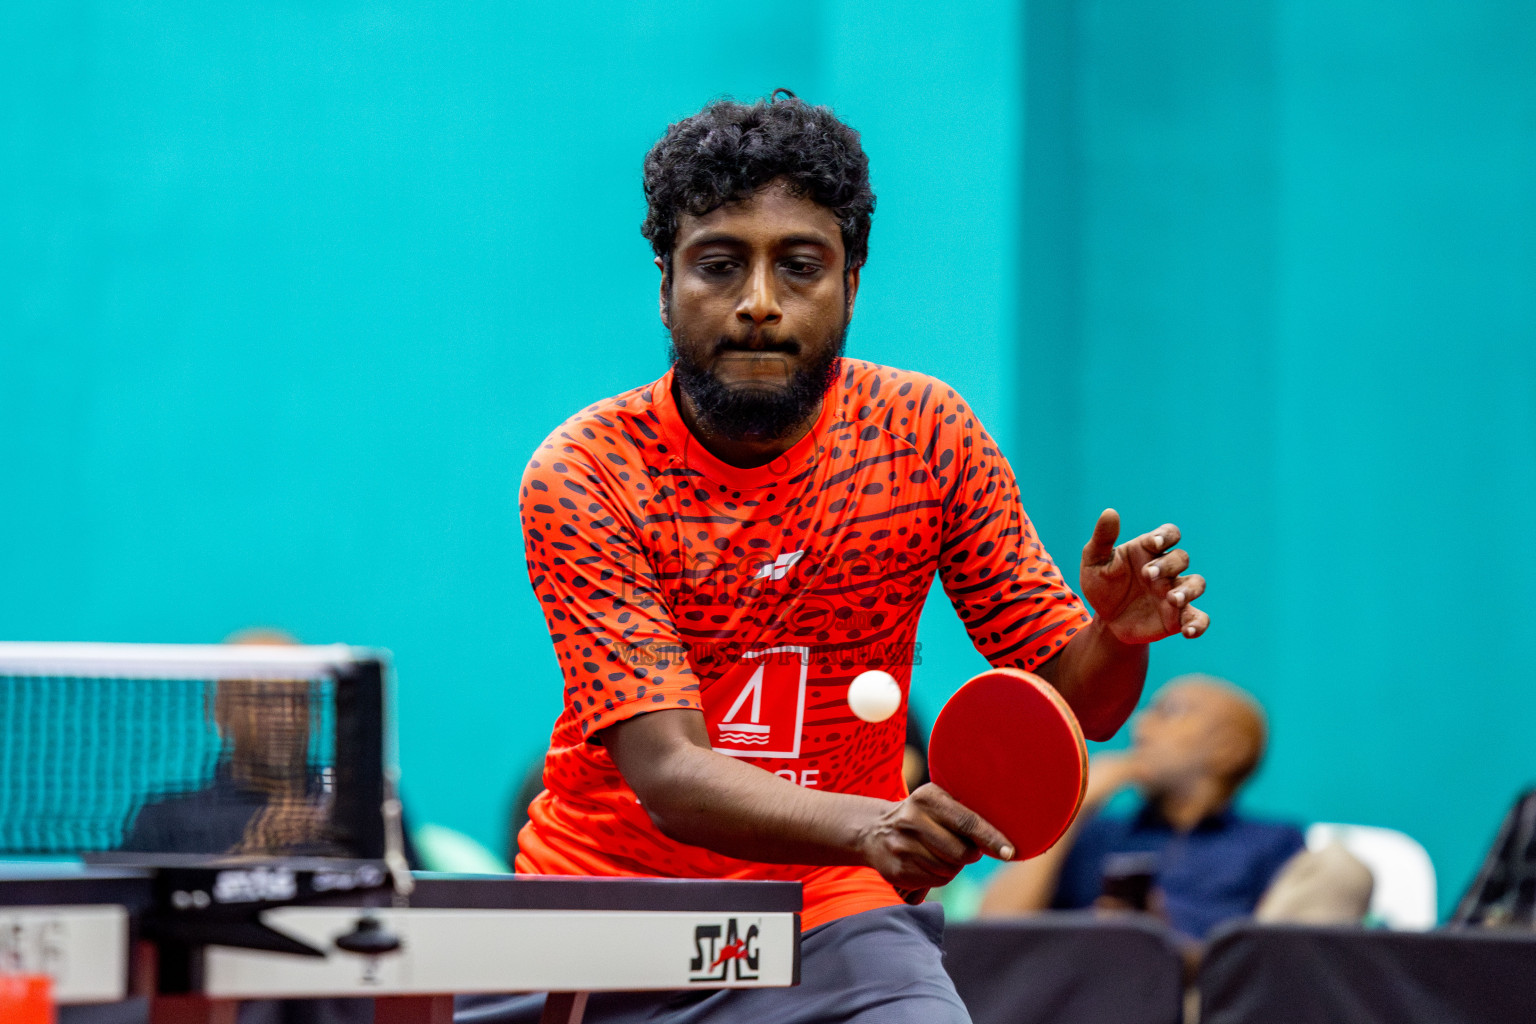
[879, 967]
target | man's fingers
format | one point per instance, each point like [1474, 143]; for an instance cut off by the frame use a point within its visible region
[1193, 622]
[921, 866]
[1168, 566]
[1159, 540]
[933, 818]
[1101, 546]
[941, 842]
[1186, 589]
[957, 817]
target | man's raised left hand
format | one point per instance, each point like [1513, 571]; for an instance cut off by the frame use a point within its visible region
[1139, 589]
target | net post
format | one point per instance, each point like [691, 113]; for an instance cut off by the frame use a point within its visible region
[360, 768]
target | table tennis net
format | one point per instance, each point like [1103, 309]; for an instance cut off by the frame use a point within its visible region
[169, 766]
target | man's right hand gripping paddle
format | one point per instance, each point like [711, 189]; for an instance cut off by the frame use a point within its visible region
[926, 839]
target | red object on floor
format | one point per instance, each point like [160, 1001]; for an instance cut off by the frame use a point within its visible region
[26, 999]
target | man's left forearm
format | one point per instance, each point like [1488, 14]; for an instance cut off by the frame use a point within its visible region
[1100, 676]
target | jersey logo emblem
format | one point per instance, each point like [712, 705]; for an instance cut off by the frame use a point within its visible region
[776, 569]
[761, 705]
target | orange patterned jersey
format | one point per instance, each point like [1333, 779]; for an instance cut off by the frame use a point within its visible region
[670, 579]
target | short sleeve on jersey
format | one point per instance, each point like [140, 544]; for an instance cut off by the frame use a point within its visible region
[1003, 584]
[619, 654]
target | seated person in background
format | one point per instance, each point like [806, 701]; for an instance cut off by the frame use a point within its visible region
[914, 756]
[1185, 852]
[1504, 892]
[264, 797]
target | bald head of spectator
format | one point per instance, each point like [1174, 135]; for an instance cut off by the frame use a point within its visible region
[1200, 733]
[265, 722]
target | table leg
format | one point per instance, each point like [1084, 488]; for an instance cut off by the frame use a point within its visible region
[192, 1009]
[564, 1008]
[413, 1010]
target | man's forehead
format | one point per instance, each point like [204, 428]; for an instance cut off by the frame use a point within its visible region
[772, 212]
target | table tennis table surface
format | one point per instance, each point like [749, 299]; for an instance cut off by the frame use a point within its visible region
[85, 926]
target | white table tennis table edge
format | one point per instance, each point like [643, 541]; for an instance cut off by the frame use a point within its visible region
[176, 661]
[591, 940]
[464, 951]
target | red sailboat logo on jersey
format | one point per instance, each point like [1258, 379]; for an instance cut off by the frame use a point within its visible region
[758, 707]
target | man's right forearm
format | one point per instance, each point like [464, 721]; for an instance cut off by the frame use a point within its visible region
[697, 796]
[722, 804]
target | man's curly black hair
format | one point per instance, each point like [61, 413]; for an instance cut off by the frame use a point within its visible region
[729, 150]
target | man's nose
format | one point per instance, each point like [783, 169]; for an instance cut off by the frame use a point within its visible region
[759, 304]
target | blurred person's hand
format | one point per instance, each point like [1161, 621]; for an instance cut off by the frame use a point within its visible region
[1156, 905]
[287, 823]
[1110, 773]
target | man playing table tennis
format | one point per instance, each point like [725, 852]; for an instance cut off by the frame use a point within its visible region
[719, 552]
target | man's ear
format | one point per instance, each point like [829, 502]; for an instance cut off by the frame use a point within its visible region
[851, 287]
[666, 299]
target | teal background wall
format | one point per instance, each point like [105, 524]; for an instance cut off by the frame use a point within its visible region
[289, 292]
[293, 290]
[1296, 314]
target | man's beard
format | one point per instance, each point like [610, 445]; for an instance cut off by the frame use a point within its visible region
[761, 412]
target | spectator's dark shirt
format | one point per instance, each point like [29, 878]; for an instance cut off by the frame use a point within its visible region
[213, 820]
[208, 820]
[1217, 871]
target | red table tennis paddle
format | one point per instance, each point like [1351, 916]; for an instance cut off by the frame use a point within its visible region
[1008, 747]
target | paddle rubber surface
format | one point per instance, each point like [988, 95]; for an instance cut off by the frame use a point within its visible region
[1007, 746]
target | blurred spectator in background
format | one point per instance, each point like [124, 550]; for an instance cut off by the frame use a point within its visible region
[264, 798]
[1184, 853]
[914, 757]
[1504, 892]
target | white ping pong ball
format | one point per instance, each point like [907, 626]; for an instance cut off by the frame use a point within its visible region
[874, 695]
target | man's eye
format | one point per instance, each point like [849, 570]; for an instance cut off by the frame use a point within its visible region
[801, 267]
[718, 267]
